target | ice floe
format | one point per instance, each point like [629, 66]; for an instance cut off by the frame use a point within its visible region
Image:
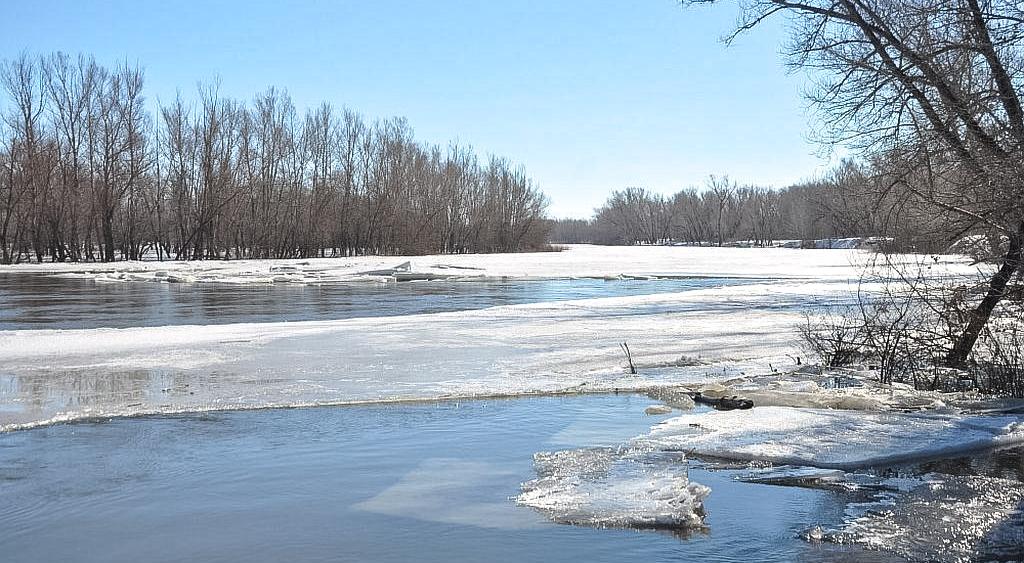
[607, 487]
[832, 438]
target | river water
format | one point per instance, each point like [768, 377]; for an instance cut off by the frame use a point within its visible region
[429, 482]
[35, 301]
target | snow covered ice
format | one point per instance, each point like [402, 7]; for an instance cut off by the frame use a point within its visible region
[500, 350]
[836, 439]
[579, 261]
[940, 518]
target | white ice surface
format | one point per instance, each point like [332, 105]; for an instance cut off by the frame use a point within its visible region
[604, 487]
[63, 374]
[832, 438]
[577, 262]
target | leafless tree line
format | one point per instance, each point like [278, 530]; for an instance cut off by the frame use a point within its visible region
[841, 204]
[721, 213]
[87, 173]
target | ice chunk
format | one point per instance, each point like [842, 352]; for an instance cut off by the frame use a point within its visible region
[608, 487]
[677, 398]
[793, 476]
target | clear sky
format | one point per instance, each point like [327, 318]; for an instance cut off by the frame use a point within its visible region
[588, 95]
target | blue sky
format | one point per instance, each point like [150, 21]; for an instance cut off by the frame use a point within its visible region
[588, 95]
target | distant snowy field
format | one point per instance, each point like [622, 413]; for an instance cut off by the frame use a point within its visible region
[578, 261]
[54, 375]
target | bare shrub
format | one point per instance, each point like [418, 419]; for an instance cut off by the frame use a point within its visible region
[906, 320]
[1002, 343]
[835, 335]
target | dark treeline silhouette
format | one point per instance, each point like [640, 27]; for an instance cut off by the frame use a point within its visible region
[842, 204]
[87, 173]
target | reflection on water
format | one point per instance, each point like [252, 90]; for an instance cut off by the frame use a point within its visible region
[34, 301]
[384, 483]
[941, 518]
[1006, 463]
[53, 391]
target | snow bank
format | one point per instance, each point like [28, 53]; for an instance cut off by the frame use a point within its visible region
[832, 439]
[606, 487]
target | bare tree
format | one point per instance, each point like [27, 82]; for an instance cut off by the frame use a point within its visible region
[721, 193]
[86, 173]
[29, 164]
[933, 85]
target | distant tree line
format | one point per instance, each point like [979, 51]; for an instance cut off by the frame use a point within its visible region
[843, 203]
[88, 173]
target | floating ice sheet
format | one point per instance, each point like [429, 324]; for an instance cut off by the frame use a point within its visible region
[832, 438]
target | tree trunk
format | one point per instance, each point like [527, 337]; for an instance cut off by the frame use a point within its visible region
[957, 357]
[108, 238]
